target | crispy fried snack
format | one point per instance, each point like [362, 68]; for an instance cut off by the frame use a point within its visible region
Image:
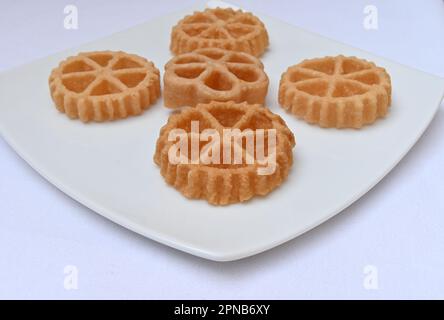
[341, 92]
[225, 182]
[214, 75]
[104, 85]
[220, 28]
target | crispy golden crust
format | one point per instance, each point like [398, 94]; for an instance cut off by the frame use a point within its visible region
[220, 28]
[341, 92]
[212, 74]
[222, 184]
[104, 85]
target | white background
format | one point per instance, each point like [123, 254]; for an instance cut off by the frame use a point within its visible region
[398, 227]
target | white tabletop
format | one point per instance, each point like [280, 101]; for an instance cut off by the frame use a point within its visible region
[389, 244]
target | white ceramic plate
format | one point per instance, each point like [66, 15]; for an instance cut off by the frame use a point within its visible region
[108, 167]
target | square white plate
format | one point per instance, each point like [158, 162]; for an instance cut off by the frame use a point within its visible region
[109, 168]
